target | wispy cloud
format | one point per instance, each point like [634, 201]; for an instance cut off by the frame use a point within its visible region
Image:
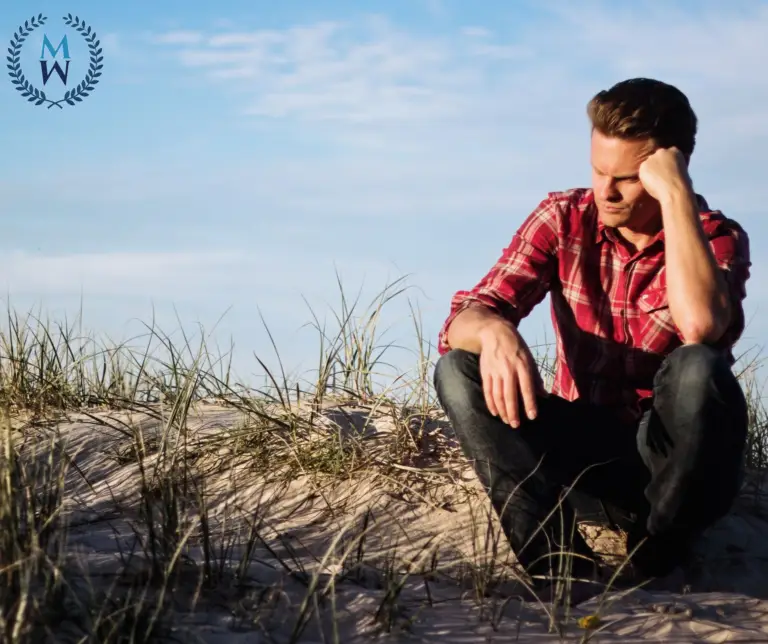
[716, 43]
[114, 273]
[179, 38]
[476, 32]
[436, 8]
[368, 72]
[376, 85]
[111, 44]
[235, 273]
[374, 70]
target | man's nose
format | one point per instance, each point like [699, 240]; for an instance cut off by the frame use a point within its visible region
[608, 191]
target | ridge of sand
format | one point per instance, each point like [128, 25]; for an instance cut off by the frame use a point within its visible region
[725, 598]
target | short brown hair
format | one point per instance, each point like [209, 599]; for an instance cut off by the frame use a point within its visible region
[643, 108]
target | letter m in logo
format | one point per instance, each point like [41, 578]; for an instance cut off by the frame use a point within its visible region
[63, 44]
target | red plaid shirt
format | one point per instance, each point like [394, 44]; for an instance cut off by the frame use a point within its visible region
[609, 306]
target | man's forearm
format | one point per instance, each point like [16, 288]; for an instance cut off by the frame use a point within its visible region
[467, 329]
[696, 289]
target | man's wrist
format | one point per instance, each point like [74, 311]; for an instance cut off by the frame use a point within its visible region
[489, 332]
[678, 198]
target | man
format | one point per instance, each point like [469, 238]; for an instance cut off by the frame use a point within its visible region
[646, 284]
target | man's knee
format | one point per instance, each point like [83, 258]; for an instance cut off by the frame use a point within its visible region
[456, 376]
[697, 389]
[691, 372]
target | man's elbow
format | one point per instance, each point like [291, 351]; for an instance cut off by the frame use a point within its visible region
[705, 328]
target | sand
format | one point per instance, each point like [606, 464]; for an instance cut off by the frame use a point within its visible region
[723, 598]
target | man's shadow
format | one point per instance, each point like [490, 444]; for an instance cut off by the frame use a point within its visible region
[731, 556]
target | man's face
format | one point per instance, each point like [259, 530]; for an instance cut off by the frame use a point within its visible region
[619, 194]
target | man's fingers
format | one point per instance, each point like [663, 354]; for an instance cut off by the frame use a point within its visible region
[503, 392]
[510, 399]
[488, 393]
[528, 386]
[499, 397]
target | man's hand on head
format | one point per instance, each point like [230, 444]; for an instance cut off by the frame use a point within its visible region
[665, 174]
[698, 293]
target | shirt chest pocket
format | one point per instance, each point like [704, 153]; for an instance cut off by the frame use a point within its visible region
[657, 330]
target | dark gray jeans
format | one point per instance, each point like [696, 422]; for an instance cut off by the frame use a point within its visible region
[672, 475]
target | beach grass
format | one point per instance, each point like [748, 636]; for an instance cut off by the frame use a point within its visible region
[145, 493]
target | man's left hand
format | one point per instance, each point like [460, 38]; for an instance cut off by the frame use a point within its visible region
[664, 172]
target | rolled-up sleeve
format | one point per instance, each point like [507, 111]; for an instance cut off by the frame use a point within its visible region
[730, 246]
[521, 277]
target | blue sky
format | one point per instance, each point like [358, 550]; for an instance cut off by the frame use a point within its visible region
[234, 156]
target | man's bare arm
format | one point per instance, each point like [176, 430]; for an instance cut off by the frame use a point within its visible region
[697, 292]
[484, 320]
[507, 368]
[472, 324]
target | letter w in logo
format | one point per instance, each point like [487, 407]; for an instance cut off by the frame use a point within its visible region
[56, 67]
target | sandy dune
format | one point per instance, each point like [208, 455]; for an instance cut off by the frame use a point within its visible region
[438, 521]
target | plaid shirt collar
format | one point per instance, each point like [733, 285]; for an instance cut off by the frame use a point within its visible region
[604, 232]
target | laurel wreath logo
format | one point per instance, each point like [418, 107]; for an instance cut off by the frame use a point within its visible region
[37, 96]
